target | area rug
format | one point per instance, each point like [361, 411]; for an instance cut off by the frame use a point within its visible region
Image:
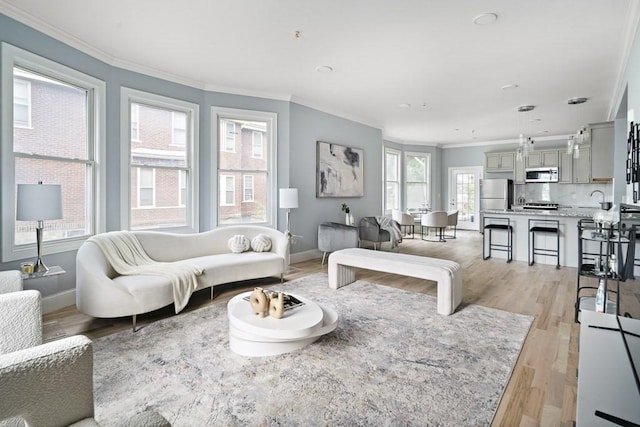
[392, 361]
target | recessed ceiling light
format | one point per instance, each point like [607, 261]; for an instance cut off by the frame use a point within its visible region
[324, 69]
[574, 101]
[509, 87]
[485, 18]
[404, 105]
[525, 108]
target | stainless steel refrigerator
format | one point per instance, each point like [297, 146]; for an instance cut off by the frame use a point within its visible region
[496, 194]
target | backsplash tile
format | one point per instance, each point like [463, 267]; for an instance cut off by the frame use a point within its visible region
[573, 195]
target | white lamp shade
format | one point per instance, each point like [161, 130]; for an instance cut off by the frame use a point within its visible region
[288, 198]
[37, 202]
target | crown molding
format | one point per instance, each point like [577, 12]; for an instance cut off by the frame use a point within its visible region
[333, 112]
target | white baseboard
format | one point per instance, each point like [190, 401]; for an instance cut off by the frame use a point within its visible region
[305, 256]
[58, 301]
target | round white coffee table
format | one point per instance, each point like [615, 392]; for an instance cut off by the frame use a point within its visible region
[251, 335]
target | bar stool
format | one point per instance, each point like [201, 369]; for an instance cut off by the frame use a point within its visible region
[499, 224]
[549, 226]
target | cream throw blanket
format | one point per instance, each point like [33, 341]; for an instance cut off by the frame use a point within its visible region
[127, 257]
[395, 233]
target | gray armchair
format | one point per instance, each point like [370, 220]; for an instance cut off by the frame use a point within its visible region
[370, 231]
[46, 384]
[333, 236]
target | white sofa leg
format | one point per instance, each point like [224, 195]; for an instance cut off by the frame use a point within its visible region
[134, 319]
[212, 292]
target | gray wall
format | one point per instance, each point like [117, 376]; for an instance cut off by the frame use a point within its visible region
[307, 127]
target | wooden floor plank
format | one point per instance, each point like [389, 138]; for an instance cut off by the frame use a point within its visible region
[542, 389]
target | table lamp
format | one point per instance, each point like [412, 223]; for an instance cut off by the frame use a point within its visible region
[39, 202]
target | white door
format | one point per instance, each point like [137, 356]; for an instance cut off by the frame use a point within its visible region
[464, 195]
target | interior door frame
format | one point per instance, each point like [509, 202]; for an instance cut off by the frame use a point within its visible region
[478, 171]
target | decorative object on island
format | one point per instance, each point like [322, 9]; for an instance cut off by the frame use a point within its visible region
[348, 215]
[39, 202]
[259, 302]
[339, 171]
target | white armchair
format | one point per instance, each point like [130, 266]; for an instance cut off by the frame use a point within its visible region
[405, 220]
[46, 384]
[10, 281]
[435, 219]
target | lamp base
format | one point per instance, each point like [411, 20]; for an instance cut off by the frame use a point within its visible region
[39, 266]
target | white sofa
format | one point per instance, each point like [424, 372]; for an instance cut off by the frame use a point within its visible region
[101, 292]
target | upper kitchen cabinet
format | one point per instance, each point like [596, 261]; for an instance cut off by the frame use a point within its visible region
[565, 170]
[499, 162]
[602, 136]
[582, 166]
[538, 159]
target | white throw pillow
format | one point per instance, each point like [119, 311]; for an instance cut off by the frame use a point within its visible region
[261, 243]
[238, 244]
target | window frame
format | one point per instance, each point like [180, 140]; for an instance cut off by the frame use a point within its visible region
[96, 151]
[218, 113]
[428, 176]
[129, 96]
[398, 155]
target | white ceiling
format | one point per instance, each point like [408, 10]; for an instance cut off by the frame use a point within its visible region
[383, 53]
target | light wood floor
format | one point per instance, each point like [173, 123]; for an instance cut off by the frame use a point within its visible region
[542, 389]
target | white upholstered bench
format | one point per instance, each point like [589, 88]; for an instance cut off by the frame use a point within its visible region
[448, 274]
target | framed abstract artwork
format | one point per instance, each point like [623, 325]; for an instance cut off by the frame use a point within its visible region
[339, 170]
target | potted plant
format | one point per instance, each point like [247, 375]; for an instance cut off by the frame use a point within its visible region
[348, 217]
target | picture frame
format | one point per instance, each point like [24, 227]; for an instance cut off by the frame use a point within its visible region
[339, 170]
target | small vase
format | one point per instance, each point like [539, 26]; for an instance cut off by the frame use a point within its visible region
[347, 219]
[350, 220]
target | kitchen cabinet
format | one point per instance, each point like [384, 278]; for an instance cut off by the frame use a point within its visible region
[499, 162]
[538, 159]
[602, 142]
[582, 166]
[565, 171]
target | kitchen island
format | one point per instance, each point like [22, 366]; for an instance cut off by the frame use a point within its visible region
[519, 218]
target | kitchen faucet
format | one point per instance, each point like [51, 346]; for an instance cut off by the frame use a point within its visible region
[604, 205]
[598, 191]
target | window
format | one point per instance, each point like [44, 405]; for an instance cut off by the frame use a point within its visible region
[57, 135]
[230, 137]
[159, 182]
[179, 126]
[227, 190]
[21, 100]
[417, 171]
[255, 176]
[146, 187]
[392, 179]
[247, 190]
[256, 147]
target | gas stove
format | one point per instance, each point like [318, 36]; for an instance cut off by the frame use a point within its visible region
[541, 206]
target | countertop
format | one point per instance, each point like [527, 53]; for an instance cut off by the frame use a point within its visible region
[561, 212]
